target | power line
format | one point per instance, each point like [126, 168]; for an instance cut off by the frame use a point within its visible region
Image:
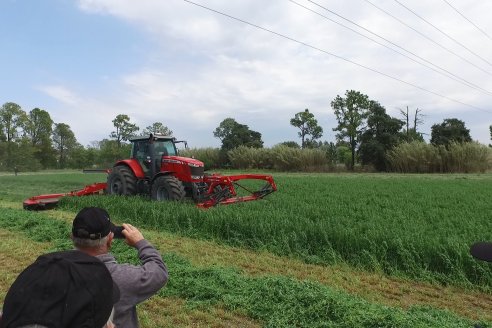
[478, 28]
[336, 56]
[428, 38]
[451, 75]
[442, 32]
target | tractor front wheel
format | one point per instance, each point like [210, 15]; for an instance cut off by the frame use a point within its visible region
[167, 187]
[121, 181]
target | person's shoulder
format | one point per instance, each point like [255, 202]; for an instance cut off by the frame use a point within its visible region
[107, 258]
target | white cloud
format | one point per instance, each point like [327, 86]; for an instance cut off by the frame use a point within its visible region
[60, 93]
[205, 67]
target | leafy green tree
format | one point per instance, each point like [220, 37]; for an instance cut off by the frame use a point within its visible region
[330, 148]
[124, 129]
[451, 129]
[23, 156]
[65, 141]
[308, 126]
[38, 130]
[91, 156]
[3, 138]
[158, 128]
[490, 131]
[412, 135]
[381, 135]
[80, 157]
[291, 144]
[3, 156]
[108, 152]
[38, 127]
[343, 154]
[225, 128]
[232, 134]
[350, 112]
[12, 120]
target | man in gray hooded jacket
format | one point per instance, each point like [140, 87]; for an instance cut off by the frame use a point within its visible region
[93, 233]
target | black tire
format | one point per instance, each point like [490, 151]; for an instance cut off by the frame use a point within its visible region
[121, 181]
[167, 187]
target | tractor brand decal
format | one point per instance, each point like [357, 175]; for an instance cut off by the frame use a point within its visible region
[174, 161]
[196, 177]
[194, 165]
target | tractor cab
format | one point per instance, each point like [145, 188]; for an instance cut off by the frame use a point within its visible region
[156, 155]
[148, 151]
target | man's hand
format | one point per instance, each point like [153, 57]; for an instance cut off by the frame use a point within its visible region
[132, 234]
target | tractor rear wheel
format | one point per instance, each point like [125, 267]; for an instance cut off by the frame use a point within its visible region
[121, 181]
[167, 187]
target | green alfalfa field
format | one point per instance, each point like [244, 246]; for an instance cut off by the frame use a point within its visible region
[325, 250]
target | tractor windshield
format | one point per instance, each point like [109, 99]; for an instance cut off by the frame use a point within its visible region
[164, 147]
[141, 149]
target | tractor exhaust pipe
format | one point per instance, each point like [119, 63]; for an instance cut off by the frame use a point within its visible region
[152, 157]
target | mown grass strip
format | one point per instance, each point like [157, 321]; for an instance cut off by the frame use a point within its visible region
[16, 253]
[175, 312]
[278, 301]
[372, 287]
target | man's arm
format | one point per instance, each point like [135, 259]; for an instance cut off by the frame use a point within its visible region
[152, 275]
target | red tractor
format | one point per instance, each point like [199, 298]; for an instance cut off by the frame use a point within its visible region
[155, 169]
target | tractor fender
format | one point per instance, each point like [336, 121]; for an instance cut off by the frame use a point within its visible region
[133, 165]
[162, 173]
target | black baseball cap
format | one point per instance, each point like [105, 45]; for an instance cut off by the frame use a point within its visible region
[94, 223]
[61, 289]
[482, 251]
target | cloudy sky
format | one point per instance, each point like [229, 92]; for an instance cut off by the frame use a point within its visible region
[188, 67]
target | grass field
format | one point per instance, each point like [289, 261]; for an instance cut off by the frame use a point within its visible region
[325, 250]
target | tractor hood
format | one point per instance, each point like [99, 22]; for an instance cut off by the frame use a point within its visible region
[182, 160]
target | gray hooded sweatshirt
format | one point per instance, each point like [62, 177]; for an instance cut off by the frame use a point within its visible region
[136, 283]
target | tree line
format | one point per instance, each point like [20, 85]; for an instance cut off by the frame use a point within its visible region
[30, 141]
[366, 135]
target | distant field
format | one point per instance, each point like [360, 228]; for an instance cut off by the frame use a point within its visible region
[415, 227]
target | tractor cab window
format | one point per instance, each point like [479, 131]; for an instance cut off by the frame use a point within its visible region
[164, 148]
[140, 150]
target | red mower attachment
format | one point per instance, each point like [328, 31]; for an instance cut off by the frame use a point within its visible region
[221, 189]
[49, 201]
[215, 190]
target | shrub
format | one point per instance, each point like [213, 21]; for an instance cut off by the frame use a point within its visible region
[286, 158]
[244, 157]
[468, 157]
[294, 159]
[280, 157]
[419, 157]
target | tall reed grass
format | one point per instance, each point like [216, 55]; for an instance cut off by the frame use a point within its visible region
[420, 157]
[280, 158]
[413, 157]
